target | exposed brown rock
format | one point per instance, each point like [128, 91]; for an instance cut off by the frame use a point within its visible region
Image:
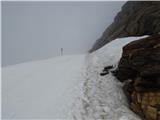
[139, 68]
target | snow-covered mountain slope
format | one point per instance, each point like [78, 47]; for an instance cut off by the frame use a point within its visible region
[43, 89]
[102, 96]
[67, 87]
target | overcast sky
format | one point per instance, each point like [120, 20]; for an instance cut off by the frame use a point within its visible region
[38, 30]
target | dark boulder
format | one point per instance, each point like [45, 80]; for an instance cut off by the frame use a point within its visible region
[140, 58]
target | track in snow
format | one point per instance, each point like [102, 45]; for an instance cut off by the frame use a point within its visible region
[102, 96]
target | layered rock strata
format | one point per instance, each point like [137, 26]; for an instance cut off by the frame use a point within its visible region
[139, 69]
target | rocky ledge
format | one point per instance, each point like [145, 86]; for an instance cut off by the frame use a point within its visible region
[139, 69]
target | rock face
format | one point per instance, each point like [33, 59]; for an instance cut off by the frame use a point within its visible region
[136, 18]
[139, 69]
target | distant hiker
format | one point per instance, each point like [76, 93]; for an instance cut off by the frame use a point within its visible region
[61, 51]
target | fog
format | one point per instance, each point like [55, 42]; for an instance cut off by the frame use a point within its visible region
[38, 30]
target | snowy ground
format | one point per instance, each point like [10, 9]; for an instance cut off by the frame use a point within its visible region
[102, 96]
[66, 87]
[43, 89]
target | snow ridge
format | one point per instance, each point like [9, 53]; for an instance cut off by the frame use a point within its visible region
[102, 96]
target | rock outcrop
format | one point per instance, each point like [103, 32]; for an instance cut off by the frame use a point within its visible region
[136, 18]
[139, 69]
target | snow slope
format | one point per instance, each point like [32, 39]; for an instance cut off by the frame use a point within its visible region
[67, 87]
[43, 89]
[102, 96]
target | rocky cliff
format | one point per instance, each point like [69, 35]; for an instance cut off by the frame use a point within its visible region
[139, 69]
[136, 18]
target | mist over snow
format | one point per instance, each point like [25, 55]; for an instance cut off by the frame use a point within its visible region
[38, 30]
